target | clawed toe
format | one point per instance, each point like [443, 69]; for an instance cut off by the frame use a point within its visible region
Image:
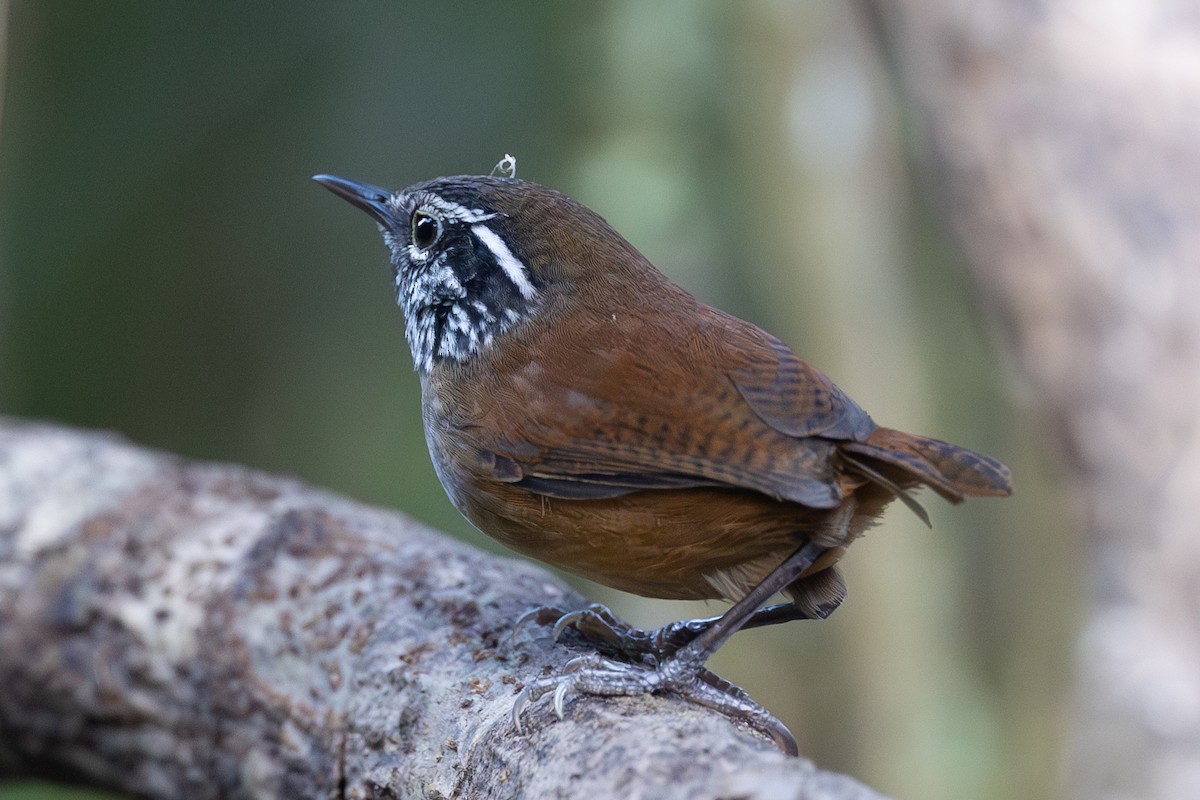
[587, 674]
[541, 616]
[599, 627]
[596, 675]
[596, 623]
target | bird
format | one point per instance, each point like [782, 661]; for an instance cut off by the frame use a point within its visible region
[588, 412]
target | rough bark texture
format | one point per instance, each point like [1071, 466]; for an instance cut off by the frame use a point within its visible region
[1066, 136]
[174, 629]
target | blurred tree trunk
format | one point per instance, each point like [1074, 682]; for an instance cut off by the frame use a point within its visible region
[1065, 138]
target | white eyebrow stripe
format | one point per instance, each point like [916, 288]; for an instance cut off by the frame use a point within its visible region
[517, 272]
[457, 212]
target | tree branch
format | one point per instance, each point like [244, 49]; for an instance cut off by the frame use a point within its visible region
[175, 629]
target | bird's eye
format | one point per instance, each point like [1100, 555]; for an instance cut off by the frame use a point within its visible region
[426, 230]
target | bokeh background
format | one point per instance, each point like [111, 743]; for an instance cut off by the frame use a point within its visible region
[168, 270]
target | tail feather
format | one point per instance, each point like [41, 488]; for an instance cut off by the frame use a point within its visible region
[903, 460]
[903, 494]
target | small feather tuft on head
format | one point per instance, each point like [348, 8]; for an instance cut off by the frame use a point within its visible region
[505, 168]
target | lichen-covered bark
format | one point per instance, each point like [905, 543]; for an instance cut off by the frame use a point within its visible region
[1066, 139]
[174, 629]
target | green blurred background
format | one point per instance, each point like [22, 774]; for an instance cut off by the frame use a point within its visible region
[169, 270]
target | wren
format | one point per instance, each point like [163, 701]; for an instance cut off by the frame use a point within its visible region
[588, 412]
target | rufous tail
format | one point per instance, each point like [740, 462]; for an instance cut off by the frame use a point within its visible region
[899, 461]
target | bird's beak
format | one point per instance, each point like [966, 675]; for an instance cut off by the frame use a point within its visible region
[370, 199]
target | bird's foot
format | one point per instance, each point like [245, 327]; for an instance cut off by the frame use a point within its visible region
[612, 636]
[657, 662]
[683, 675]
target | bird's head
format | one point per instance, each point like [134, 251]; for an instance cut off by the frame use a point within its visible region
[474, 256]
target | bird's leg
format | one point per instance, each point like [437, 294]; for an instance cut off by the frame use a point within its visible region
[680, 670]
